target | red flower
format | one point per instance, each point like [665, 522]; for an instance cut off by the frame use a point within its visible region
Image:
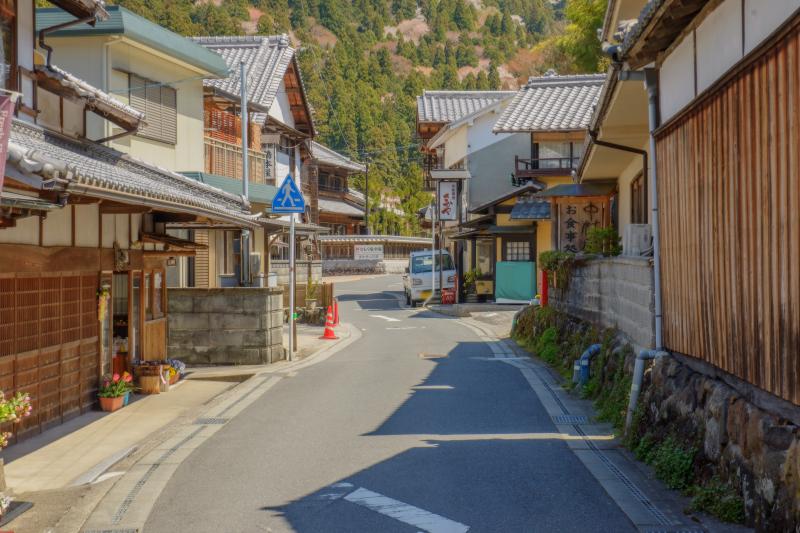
[127, 378]
[115, 377]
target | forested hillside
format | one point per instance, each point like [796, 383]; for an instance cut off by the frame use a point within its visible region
[365, 61]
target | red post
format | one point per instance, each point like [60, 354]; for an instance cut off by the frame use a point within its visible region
[543, 291]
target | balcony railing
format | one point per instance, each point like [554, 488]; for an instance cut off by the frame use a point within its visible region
[526, 169]
[225, 159]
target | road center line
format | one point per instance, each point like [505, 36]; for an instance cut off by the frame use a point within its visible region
[403, 512]
[387, 318]
[402, 328]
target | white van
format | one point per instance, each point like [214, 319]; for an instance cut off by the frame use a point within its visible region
[417, 279]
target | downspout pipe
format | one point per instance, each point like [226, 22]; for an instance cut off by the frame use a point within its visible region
[580, 371]
[44, 31]
[638, 376]
[651, 83]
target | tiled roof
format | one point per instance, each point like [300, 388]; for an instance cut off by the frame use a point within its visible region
[447, 106]
[266, 59]
[324, 155]
[339, 207]
[552, 103]
[375, 239]
[530, 209]
[65, 83]
[96, 170]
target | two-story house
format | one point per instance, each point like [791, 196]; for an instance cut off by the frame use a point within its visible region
[341, 207]
[280, 134]
[83, 225]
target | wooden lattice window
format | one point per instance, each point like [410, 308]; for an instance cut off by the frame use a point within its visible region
[27, 319]
[50, 311]
[70, 308]
[7, 316]
[89, 306]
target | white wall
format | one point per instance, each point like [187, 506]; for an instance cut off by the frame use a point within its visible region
[86, 232]
[717, 44]
[25, 232]
[57, 228]
[281, 109]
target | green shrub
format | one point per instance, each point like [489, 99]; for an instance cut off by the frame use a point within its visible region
[718, 499]
[605, 241]
[673, 463]
[558, 265]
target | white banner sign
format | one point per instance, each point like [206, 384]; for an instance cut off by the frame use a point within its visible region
[368, 252]
[448, 200]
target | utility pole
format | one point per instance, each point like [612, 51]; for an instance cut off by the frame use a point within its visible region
[244, 244]
[366, 196]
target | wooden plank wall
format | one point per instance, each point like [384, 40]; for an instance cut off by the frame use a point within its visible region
[49, 344]
[729, 198]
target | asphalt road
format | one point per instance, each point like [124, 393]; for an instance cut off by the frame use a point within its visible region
[378, 438]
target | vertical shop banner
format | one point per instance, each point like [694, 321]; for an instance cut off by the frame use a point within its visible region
[6, 113]
[448, 200]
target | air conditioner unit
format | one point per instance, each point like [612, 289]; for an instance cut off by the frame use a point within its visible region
[255, 264]
[637, 240]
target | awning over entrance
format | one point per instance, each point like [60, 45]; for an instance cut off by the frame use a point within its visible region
[578, 190]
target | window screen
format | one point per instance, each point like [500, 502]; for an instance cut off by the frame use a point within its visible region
[159, 105]
[518, 251]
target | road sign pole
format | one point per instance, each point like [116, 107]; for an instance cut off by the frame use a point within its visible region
[291, 288]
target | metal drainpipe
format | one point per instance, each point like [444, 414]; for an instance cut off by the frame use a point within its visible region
[636, 384]
[580, 371]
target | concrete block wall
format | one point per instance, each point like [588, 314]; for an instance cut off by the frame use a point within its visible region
[281, 268]
[615, 292]
[363, 266]
[238, 325]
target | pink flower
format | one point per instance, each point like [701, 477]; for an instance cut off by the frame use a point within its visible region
[115, 377]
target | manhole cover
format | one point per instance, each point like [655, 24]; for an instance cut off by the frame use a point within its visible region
[210, 421]
[426, 355]
[570, 419]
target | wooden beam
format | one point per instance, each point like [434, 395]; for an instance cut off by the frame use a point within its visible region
[173, 217]
[115, 208]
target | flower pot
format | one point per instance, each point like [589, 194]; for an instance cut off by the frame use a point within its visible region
[126, 399]
[112, 404]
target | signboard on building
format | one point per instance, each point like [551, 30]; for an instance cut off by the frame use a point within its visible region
[269, 145]
[368, 252]
[448, 200]
[576, 217]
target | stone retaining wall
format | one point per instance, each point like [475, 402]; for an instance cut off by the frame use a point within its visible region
[614, 292]
[333, 267]
[755, 451]
[239, 325]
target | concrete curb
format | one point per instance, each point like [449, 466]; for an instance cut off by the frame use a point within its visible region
[118, 504]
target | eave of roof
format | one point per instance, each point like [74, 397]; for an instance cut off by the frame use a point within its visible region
[84, 8]
[95, 170]
[323, 155]
[339, 207]
[528, 188]
[441, 107]
[124, 22]
[260, 193]
[63, 83]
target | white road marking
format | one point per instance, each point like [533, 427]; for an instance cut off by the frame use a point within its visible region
[488, 314]
[376, 300]
[403, 512]
[402, 328]
[387, 318]
[433, 387]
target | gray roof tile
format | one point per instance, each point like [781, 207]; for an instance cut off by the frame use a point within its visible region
[552, 103]
[266, 59]
[327, 205]
[37, 151]
[324, 155]
[448, 106]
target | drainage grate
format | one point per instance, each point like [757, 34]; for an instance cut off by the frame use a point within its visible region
[128, 530]
[570, 419]
[210, 421]
[426, 355]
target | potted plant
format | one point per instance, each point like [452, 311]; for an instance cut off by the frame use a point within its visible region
[114, 389]
[470, 285]
[12, 410]
[311, 294]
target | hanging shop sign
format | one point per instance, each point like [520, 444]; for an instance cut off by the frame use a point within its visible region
[448, 200]
[576, 217]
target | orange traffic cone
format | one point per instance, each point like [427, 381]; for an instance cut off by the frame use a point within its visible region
[335, 312]
[329, 334]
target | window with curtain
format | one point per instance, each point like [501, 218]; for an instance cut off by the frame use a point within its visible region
[159, 104]
[559, 154]
[484, 258]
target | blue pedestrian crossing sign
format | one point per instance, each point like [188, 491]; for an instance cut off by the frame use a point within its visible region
[288, 199]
